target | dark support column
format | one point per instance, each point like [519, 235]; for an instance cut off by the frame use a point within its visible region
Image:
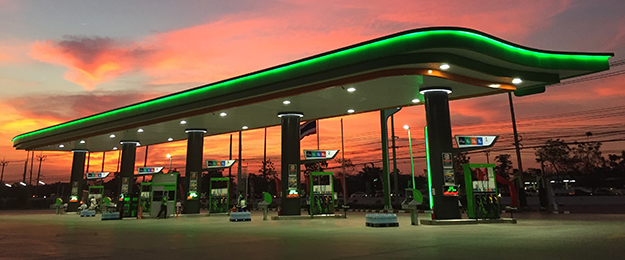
[440, 141]
[386, 181]
[193, 174]
[126, 173]
[290, 164]
[76, 180]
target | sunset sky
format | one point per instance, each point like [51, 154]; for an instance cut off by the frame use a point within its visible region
[61, 60]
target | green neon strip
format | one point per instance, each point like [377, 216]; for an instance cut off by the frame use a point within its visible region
[427, 158]
[392, 45]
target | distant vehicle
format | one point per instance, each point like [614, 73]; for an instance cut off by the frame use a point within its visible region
[581, 191]
[358, 194]
[563, 192]
[608, 192]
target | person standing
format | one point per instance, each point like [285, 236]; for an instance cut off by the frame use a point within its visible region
[59, 205]
[163, 208]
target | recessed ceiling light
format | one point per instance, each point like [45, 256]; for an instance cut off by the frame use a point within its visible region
[222, 114]
[286, 102]
[350, 111]
[115, 148]
[444, 66]
[516, 81]
[170, 139]
[140, 130]
[352, 89]
[112, 136]
[183, 122]
[430, 71]
[61, 146]
[244, 127]
[494, 85]
[416, 100]
[82, 141]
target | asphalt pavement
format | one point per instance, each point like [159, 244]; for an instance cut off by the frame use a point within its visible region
[43, 235]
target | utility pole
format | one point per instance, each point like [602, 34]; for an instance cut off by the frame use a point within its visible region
[520, 184]
[4, 163]
[40, 158]
[395, 173]
[32, 161]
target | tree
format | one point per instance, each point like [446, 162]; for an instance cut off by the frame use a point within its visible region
[503, 165]
[371, 177]
[268, 169]
[349, 165]
[587, 157]
[556, 153]
[459, 160]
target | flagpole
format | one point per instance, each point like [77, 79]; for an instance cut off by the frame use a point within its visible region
[343, 165]
[317, 126]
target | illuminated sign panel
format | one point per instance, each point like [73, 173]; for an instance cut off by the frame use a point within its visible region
[97, 175]
[464, 141]
[212, 164]
[149, 170]
[319, 154]
[450, 191]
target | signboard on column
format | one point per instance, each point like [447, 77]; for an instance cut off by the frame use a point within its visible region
[449, 176]
[74, 194]
[192, 186]
[292, 191]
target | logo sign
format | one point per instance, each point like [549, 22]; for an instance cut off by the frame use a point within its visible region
[474, 140]
[219, 164]
[450, 191]
[320, 154]
[292, 194]
[97, 175]
[149, 170]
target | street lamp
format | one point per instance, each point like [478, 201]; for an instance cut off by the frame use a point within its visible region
[411, 158]
[170, 158]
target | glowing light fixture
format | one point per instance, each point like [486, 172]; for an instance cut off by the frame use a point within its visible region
[286, 102]
[222, 114]
[183, 122]
[22, 183]
[244, 127]
[140, 130]
[352, 89]
[350, 111]
[516, 81]
[444, 66]
[61, 146]
[112, 136]
[494, 85]
[115, 148]
[82, 141]
[8, 185]
[423, 91]
[416, 100]
[170, 139]
[429, 71]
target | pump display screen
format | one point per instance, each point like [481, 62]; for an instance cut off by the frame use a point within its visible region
[483, 179]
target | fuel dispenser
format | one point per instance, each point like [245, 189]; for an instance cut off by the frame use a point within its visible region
[481, 191]
[219, 197]
[321, 193]
[146, 198]
[164, 184]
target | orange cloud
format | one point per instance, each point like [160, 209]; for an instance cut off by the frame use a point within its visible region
[91, 61]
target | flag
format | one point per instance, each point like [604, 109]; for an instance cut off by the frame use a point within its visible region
[307, 128]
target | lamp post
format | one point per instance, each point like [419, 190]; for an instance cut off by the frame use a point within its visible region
[170, 158]
[411, 158]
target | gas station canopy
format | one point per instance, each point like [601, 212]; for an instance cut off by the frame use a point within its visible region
[382, 73]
